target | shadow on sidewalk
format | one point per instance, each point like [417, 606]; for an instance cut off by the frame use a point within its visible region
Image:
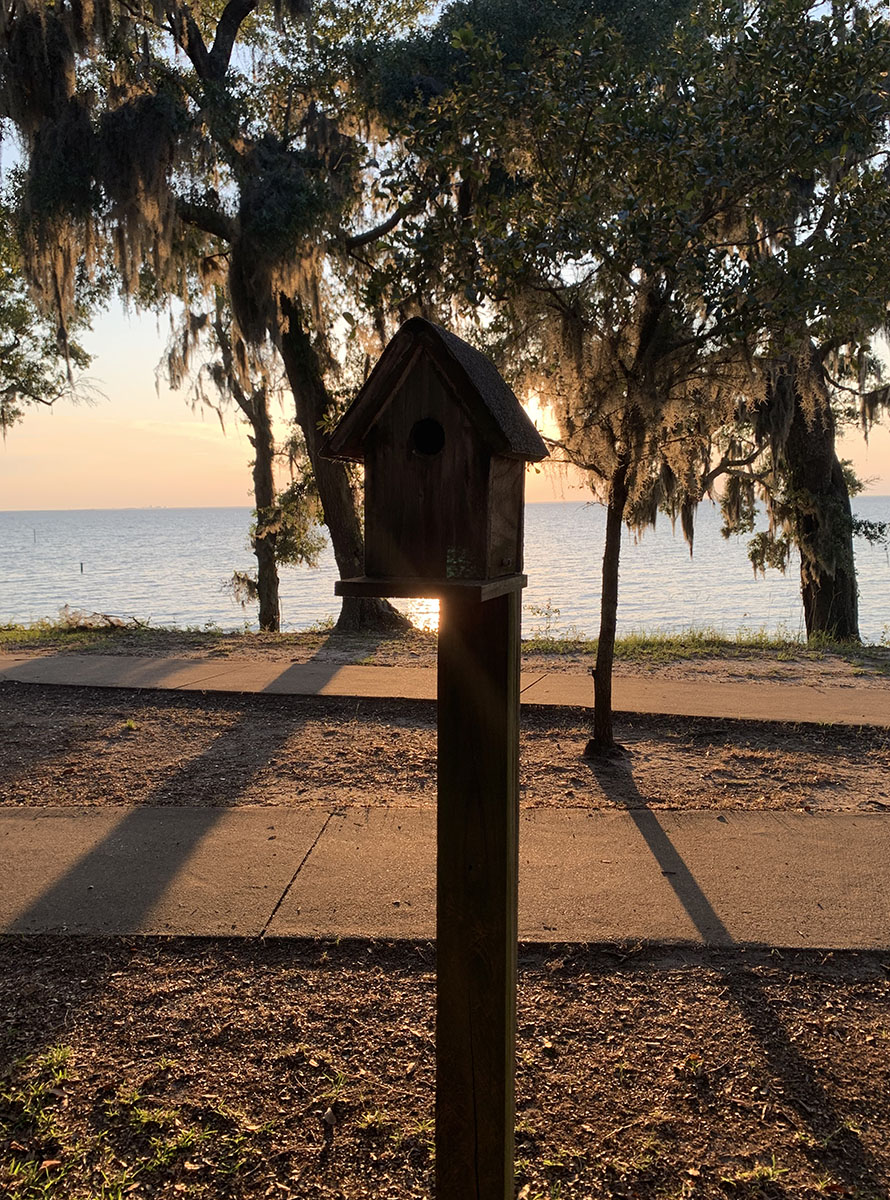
[144, 870]
[134, 865]
[798, 1075]
[136, 862]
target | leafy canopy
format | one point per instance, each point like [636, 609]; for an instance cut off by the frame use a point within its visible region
[647, 233]
[34, 367]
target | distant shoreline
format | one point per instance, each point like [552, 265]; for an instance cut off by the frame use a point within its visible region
[582, 499]
[171, 567]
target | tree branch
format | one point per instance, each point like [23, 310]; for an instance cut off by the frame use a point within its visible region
[371, 235]
[204, 217]
[234, 15]
[729, 466]
[187, 34]
[842, 387]
[211, 65]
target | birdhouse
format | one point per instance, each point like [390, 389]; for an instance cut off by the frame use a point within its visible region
[444, 443]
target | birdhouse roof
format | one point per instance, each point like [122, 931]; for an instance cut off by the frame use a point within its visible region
[475, 380]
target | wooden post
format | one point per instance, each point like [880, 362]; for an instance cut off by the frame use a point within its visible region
[444, 442]
[477, 889]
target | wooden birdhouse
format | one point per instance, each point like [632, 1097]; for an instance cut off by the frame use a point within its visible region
[444, 442]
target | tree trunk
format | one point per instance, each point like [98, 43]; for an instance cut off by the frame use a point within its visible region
[338, 501]
[603, 739]
[264, 499]
[822, 521]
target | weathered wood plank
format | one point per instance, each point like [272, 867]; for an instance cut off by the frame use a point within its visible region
[425, 511]
[477, 873]
[505, 514]
[469, 589]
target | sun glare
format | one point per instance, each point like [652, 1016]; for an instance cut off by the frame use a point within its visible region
[422, 613]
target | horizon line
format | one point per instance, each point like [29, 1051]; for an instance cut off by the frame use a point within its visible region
[249, 507]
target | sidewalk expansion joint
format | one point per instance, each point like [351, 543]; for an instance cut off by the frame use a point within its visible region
[193, 683]
[534, 683]
[293, 879]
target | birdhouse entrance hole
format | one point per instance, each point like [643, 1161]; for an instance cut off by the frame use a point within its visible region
[427, 437]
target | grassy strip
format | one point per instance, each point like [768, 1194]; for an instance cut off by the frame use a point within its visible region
[643, 647]
[53, 635]
[63, 636]
[657, 647]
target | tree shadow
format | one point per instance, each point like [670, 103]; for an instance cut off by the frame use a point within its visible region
[136, 862]
[60, 701]
[140, 856]
[799, 1077]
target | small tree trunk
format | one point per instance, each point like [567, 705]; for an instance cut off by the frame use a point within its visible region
[267, 584]
[338, 501]
[264, 499]
[603, 738]
[823, 522]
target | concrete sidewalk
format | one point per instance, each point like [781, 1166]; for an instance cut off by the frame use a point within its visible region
[693, 698]
[723, 879]
[719, 879]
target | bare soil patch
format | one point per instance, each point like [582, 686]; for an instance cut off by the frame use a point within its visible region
[207, 1070]
[76, 746]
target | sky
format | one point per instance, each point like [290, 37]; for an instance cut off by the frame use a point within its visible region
[141, 445]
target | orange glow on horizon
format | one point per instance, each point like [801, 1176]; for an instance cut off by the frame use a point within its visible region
[144, 446]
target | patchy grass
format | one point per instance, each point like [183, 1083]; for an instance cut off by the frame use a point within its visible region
[128, 1144]
[660, 647]
[67, 635]
[216, 1070]
[63, 637]
[544, 636]
[654, 648]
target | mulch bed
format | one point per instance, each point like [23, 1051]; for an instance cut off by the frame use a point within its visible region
[303, 1069]
[85, 746]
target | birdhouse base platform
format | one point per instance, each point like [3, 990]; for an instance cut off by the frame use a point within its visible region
[434, 589]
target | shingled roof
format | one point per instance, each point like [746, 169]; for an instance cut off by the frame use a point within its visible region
[500, 416]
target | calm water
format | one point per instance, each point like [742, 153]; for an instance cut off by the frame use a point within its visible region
[167, 567]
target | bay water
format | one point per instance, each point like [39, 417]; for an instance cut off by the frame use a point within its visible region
[168, 566]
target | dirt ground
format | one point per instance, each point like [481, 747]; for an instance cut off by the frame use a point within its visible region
[81, 746]
[214, 1070]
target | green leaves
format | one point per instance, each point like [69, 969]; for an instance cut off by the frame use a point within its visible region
[638, 231]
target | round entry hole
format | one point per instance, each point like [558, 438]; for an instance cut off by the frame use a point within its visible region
[427, 437]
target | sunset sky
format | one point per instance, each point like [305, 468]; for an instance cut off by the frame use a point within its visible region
[140, 447]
